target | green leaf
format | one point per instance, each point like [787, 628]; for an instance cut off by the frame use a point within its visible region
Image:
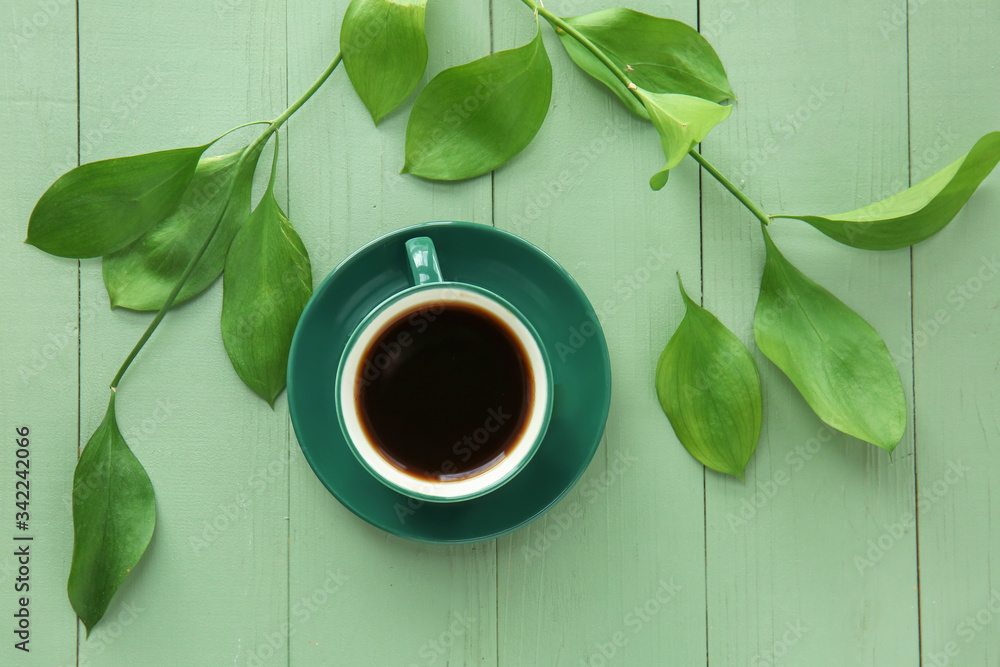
[113, 518]
[142, 275]
[709, 388]
[99, 207]
[266, 285]
[665, 56]
[472, 118]
[682, 122]
[385, 51]
[917, 213]
[834, 357]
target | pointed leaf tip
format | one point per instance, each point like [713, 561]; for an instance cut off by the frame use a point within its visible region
[142, 275]
[687, 299]
[473, 118]
[114, 515]
[658, 180]
[916, 213]
[266, 284]
[682, 121]
[836, 359]
[99, 207]
[709, 388]
[661, 56]
[385, 51]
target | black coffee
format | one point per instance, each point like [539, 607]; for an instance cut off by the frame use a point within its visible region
[444, 391]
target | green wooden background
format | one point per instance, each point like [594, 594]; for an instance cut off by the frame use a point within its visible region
[829, 554]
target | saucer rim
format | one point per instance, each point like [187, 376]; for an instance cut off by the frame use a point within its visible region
[585, 459]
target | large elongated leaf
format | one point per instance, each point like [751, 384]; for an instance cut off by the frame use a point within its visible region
[142, 275]
[709, 388]
[659, 55]
[682, 122]
[916, 213]
[113, 519]
[267, 282]
[99, 207]
[385, 51]
[472, 118]
[834, 357]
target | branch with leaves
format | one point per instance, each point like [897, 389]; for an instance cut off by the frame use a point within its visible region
[168, 224]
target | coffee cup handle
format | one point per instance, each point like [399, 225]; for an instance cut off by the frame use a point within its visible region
[423, 259]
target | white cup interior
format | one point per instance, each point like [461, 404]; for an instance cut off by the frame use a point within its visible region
[453, 489]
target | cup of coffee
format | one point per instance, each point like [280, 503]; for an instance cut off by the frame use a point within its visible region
[444, 390]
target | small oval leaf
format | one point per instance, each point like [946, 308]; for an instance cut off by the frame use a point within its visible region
[709, 388]
[142, 275]
[99, 207]
[385, 51]
[472, 118]
[266, 284]
[917, 213]
[836, 360]
[660, 55]
[682, 121]
[113, 519]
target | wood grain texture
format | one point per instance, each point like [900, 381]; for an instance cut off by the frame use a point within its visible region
[401, 603]
[212, 588]
[38, 328]
[820, 126]
[616, 570]
[954, 77]
[649, 561]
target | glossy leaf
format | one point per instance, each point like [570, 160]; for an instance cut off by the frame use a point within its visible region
[917, 213]
[835, 358]
[682, 121]
[472, 118]
[385, 51]
[100, 207]
[659, 55]
[142, 275]
[266, 284]
[709, 388]
[113, 519]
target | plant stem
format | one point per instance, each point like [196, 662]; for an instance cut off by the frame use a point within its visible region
[189, 269]
[280, 120]
[558, 23]
[726, 183]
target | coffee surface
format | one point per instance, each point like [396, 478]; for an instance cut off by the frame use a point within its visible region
[444, 391]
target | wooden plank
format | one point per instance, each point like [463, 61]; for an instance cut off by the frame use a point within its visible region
[401, 602]
[212, 589]
[820, 127]
[614, 573]
[39, 336]
[954, 79]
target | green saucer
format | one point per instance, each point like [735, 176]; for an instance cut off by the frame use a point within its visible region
[537, 286]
